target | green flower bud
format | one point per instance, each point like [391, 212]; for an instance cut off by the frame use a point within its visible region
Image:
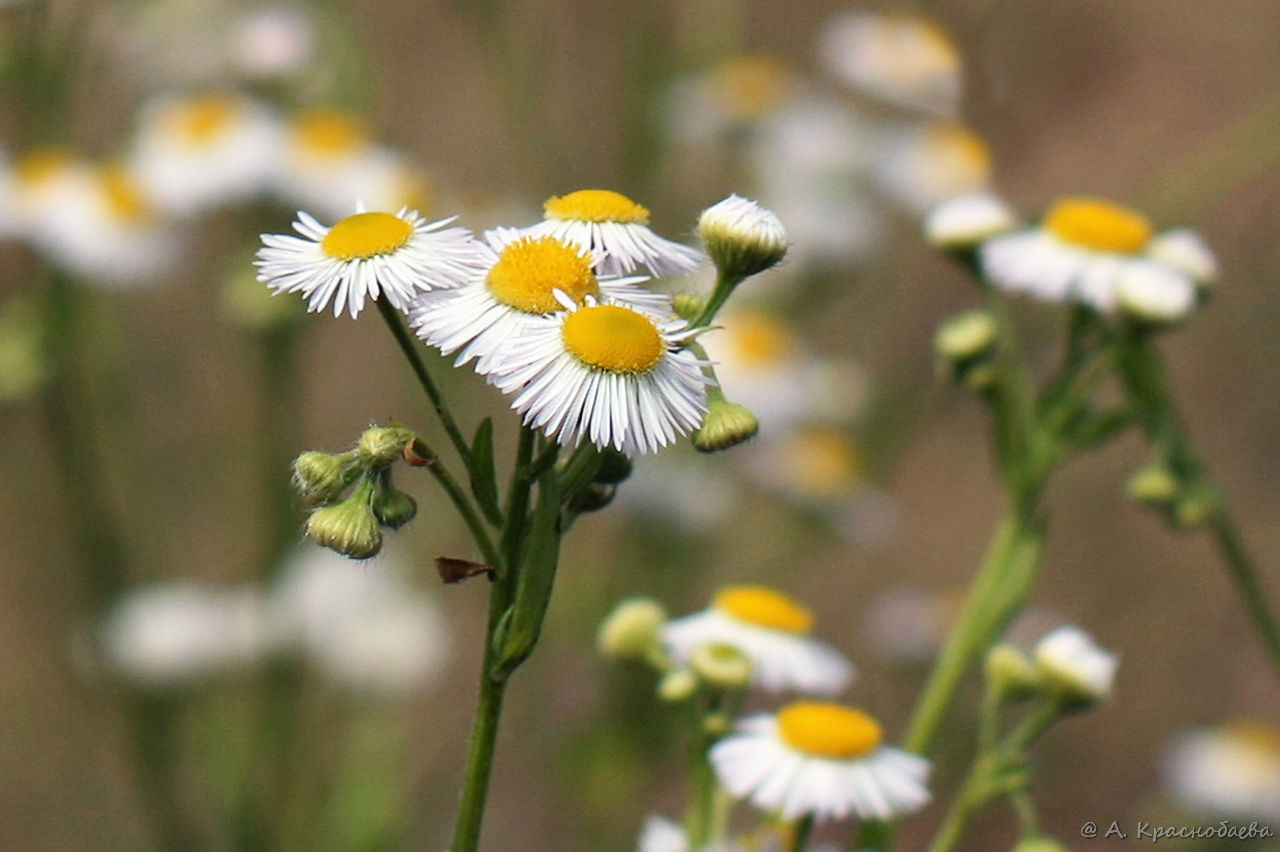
[677, 685]
[630, 632]
[721, 666]
[1011, 672]
[393, 507]
[350, 527]
[1195, 508]
[725, 424]
[742, 237]
[716, 724]
[614, 467]
[1154, 485]
[688, 306]
[382, 445]
[592, 498]
[321, 477]
[967, 336]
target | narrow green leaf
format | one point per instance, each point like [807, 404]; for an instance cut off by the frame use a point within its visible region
[484, 479]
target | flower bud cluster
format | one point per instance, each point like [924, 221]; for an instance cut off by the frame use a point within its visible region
[1186, 502]
[966, 345]
[1065, 666]
[352, 525]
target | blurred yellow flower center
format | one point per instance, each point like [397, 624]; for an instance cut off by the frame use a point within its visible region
[366, 235]
[1097, 224]
[748, 87]
[822, 729]
[329, 131]
[123, 196]
[757, 339]
[821, 462]
[596, 205]
[958, 157]
[764, 607]
[528, 270]
[203, 119]
[1255, 735]
[613, 338]
[41, 165]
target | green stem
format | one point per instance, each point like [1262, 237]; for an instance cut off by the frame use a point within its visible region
[800, 833]
[719, 295]
[1247, 583]
[484, 735]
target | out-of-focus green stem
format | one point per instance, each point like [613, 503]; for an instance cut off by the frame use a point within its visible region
[800, 834]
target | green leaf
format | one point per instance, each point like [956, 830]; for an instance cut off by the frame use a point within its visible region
[537, 574]
[484, 479]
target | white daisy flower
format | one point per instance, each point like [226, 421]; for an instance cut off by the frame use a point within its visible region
[106, 231]
[329, 162]
[40, 184]
[368, 255]
[821, 759]
[1069, 661]
[904, 59]
[968, 220]
[514, 290]
[615, 230]
[1084, 247]
[772, 630]
[194, 153]
[1231, 770]
[923, 165]
[703, 108]
[608, 373]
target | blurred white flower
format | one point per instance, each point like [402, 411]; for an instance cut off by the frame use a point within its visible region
[967, 220]
[362, 625]
[1232, 770]
[169, 633]
[1072, 664]
[730, 96]
[923, 165]
[272, 41]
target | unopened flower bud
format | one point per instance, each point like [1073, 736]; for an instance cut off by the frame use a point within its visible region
[614, 467]
[677, 685]
[322, 477]
[687, 306]
[964, 222]
[966, 336]
[725, 424]
[721, 666]
[742, 237]
[1195, 508]
[630, 632]
[1154, 485]
[716, 724]
[394, 508]
[350, 527]
[1009, 671]
[593, 497]
[1074, 668]
[382, 445]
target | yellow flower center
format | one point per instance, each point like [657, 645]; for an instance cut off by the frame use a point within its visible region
[203, 119]
[41, 165]
[822, 729]
[1255, 735]
[1097, 224]
[123, 196]
[613, 338]
[821, 462]
[596, 205]
[528, 270]
[329, 131]
[748, 87]
[759, 340]
[366, 235]
[764, 607]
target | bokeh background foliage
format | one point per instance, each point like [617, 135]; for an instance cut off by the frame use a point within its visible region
[1171, 107]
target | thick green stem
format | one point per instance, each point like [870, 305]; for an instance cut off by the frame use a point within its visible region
[800, 834]
[484, 735]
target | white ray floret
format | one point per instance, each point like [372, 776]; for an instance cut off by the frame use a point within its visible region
[368, 255]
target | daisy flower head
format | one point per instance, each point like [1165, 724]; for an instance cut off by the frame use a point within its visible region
[515, 288]
[819, 758]
[705, 107]
[1074, 666]
[194, 153]
[605, 372]
[1230, 770]
[964, 222]
[615, 230]
[1085, 248]
[772, 631]
[368, 255]
[923, 165]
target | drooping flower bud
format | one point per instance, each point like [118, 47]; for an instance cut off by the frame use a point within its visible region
[726, 424]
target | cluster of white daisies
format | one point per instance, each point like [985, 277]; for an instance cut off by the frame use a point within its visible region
[120, 222]
[552, 314]
[810, 758]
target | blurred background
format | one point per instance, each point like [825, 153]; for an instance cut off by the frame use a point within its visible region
[181, 669]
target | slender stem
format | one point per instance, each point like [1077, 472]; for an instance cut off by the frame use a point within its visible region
[410, 347]
[484, 734]
[1248, 583]
[719, 295]
[800, 833]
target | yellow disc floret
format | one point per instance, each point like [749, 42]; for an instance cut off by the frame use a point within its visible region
[822, 729]
[764, 607]
[759, 340]
[366, 235]
[1100, 225]
[123, 196]
[613, 338]
[749, 87]
[529, 270]
[203, 119]
[329, 131]
[596, 205]
[41, 165]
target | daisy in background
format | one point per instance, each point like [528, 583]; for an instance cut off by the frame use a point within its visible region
[922, 165]
[194, 153]
[604, 372]
[820, 759]
[516, 287]
[729, 97]
[328, 162]
[368, 255]
[615, 231]
[1101, 254]
[772, 631]
[1232, 770]
[38, 186]
[903, 59]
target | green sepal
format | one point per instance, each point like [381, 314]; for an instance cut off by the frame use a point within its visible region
[484, 479]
